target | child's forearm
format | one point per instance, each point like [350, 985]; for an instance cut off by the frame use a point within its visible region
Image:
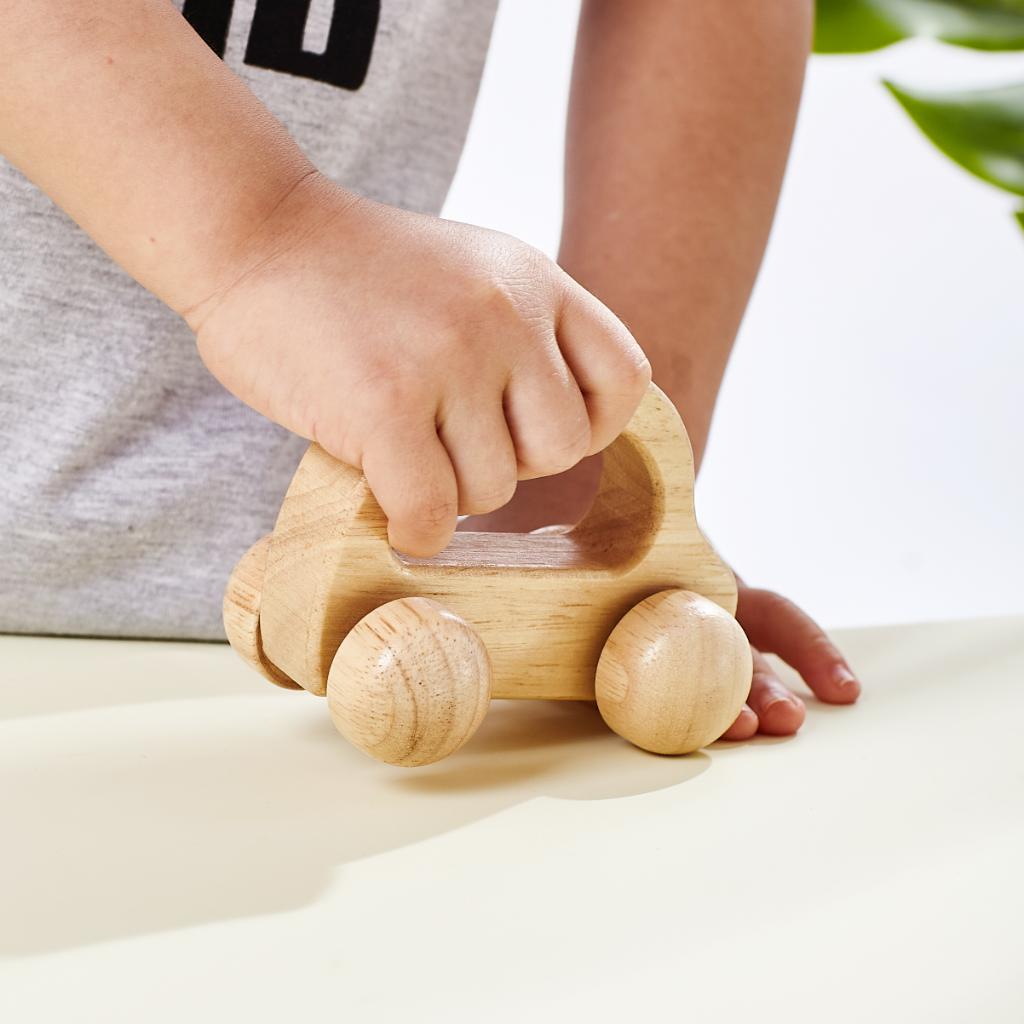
[680, 123]
[127, 120]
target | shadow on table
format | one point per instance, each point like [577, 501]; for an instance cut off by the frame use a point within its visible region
[200, 797]
[176, 814]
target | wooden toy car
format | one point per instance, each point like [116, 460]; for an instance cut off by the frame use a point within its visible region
[631, 606]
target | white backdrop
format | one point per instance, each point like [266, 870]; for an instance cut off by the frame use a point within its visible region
[865, 457]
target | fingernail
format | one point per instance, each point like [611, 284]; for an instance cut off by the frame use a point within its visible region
[844, 678]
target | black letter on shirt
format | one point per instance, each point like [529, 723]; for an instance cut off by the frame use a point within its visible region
[275, 37]
[210, 18]
[275, 41]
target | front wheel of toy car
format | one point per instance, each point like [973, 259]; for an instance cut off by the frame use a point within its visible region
[410, 683]
[674, 673]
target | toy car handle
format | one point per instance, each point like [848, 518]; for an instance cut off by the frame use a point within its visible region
[646, 487]
[646, 491]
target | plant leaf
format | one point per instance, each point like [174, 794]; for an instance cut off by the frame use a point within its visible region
[982, 129]
[855, 26]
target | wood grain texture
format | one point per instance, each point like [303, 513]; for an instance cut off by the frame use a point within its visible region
[242, 613]
[410, 684]
[674, 673]
[543, 604]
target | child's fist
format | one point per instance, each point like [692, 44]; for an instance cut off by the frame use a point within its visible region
[445, 361]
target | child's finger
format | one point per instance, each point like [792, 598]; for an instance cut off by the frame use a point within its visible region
[775, 624]
[744, 728]
[610, 367]
[412, 478]
[780, 712]
[546, 416]
[480, 448]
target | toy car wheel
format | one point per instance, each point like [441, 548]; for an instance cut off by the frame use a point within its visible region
[410, 684]
[242, 600]
[674, 673]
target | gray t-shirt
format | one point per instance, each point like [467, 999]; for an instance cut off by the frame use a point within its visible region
[131, 480]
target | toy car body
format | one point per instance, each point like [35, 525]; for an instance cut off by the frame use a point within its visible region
[543, 604]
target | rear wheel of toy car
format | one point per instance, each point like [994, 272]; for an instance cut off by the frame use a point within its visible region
[674, 673]
[242, 599]
[410, 684]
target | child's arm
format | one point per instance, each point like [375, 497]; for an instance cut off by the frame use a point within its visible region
[444, 360]
[681, 117]
[126, 119]
[679, 130]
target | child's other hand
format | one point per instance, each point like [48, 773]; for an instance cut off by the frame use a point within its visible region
[775, 625]
[445, 361]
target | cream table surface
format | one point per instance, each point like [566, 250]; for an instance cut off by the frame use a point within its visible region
[184, 842]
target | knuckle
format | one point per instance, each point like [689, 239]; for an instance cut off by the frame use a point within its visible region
[334, 435]
[482, 308]
[579, 445]
[486, 499]
[432, 514]
[637, 373]
[628, 381]
[564, 451]
[526, 263]
[519, 293]
[390, 395]
[627, 361]
[489, 297]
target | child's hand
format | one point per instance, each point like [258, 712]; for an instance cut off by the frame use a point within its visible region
[444, 360]
[775, 625]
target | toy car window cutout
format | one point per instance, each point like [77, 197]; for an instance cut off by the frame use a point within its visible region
[616, 532]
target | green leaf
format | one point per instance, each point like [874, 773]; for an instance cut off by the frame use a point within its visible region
[1020, 217]
[855, 26]
[982, 130]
